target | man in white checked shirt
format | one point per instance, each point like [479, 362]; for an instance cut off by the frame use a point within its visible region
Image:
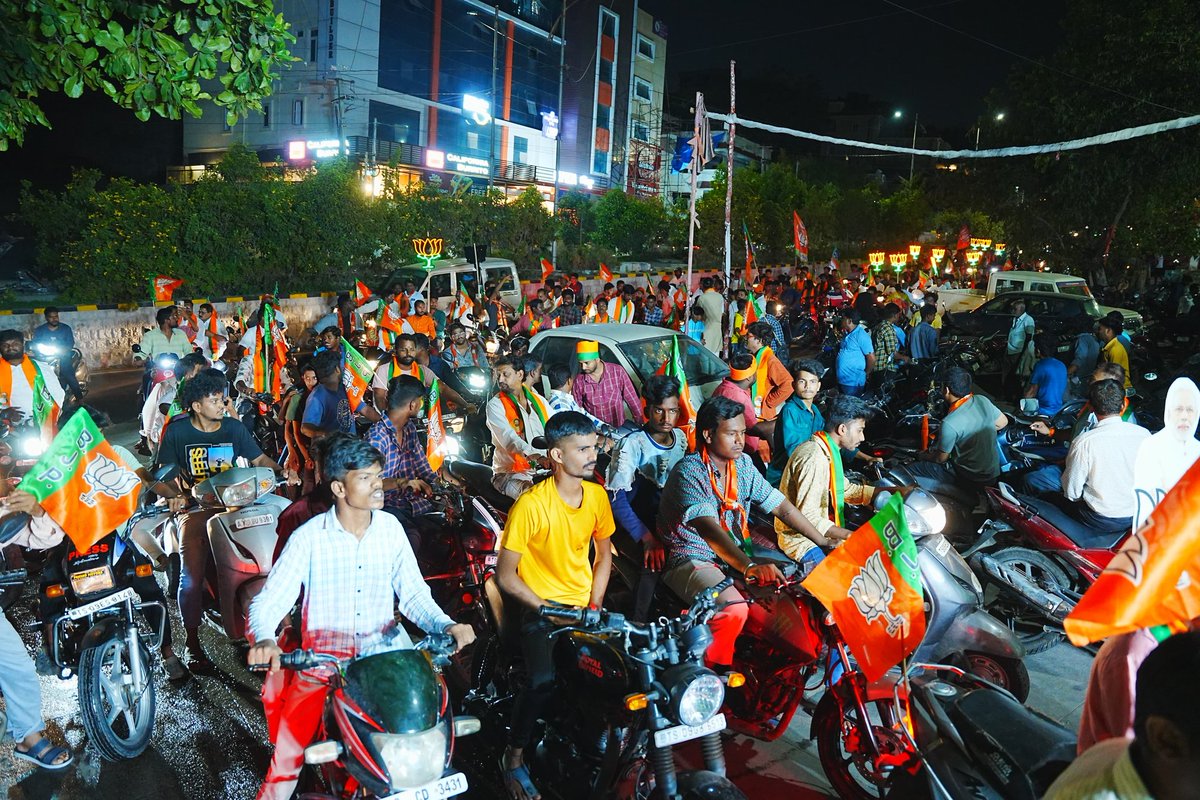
[351, 562]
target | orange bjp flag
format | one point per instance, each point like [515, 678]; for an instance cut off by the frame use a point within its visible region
[871, 585]
[606, 274]
[1155, 577]
[547, 269]
[82, 483]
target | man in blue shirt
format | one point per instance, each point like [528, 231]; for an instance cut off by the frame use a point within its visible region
[1048, 382]
[924, 342]
[856, 356]
[327, 409]
[59, 341]
[799, 418]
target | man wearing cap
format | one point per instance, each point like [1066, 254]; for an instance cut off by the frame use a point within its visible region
[604, 389]
[1113, 350]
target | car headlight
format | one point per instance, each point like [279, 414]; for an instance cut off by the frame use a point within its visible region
[89, 581]
[237, 495]
[477, 381]
[696, 694]
[412, 759]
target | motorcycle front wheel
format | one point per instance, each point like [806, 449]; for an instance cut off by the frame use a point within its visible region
[851, 771]
[118, 721]
[1007, 605]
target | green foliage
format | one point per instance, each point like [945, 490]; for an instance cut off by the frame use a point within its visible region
[243, 229]
[628, 225]
[1136, 64]
[151, 58]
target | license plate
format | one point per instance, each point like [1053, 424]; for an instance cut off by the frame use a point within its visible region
[250, 522]
[490, 560]
[685, 733]
[79, 612]
[448, 786]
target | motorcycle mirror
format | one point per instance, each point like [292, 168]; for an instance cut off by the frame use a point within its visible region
[11, 525]
[137, 348]
[165, 472]
[465, 726]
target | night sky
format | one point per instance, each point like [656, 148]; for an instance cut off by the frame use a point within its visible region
[865, 46]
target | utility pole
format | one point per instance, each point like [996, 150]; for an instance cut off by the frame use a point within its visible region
[912, 159]
[562, 76]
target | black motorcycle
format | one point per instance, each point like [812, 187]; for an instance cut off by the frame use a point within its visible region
[262, 418]
[98, 624]
[632, 693]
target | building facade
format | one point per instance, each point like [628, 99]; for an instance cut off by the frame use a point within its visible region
[512, 94]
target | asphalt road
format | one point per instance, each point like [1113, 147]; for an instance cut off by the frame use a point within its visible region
[210, 736]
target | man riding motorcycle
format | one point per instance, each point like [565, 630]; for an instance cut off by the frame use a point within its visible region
[704, 520]
[28, 386]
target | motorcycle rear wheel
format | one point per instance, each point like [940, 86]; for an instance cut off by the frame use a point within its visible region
[1027, 623]
[848, 769]
[119, 725]
[1007, 673]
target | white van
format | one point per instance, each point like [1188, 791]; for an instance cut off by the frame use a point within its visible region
[440, 284]
[956, 300]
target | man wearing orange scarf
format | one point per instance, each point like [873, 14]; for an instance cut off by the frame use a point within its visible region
[26, 385]
[515, 417]
[772, 382]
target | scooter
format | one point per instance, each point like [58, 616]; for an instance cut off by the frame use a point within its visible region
[388, 730]
[1036, 562]
[241, 534]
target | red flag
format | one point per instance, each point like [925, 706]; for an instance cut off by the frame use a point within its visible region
[799, 236]
[547, 269]
[1155, 577]
[164, 287]
[361, 293]
[872, 587]
[605, 273]
[747, 276]
[964, 238]
[82, 483]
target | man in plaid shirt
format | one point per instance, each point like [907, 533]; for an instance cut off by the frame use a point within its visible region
[352, 563]
[568, 313]
[887, 341]
[604, 390]
[407, 476]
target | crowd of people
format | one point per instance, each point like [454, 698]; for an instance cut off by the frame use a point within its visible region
[676, 495]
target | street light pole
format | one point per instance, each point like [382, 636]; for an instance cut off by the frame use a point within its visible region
[912, 159]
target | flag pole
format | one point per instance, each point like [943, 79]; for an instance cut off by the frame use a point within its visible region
[697, 149]
[730, 132]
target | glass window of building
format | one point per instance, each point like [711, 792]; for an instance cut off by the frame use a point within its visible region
[645, 48]
[642, 89]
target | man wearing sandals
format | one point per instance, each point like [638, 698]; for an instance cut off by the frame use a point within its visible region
[18, 679]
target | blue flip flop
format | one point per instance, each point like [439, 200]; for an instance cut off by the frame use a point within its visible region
[44, 753]
[520, 776]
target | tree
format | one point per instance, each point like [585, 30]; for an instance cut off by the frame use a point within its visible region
[628, 225]
[151, 58]
[1120, 65]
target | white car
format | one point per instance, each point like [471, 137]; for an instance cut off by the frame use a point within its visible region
[638, 349]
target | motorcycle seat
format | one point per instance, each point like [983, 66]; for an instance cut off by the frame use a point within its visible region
[478, 478]
[1037, 746]
[1087, 538]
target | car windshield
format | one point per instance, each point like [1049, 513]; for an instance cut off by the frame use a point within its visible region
[647, 357]
[1077, 288]
[1092, 307]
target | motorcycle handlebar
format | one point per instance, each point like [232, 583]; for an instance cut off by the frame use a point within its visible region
[12, 577]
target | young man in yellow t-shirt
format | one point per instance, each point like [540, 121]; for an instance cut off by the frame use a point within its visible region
[545, 559]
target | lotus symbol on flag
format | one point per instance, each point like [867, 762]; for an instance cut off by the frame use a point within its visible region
[872, 591]
[107, 477]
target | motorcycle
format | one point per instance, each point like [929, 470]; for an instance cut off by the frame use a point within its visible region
[1036, 562]
[636, 691]
[97, 625]
[241, 534]
[960, 736]
[388, 730]
[262, 418]
[55, 355]
[21, 442]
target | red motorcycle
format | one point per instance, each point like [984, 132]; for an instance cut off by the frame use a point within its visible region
[1035, 562]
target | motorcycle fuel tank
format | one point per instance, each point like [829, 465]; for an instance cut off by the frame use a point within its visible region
[593, 665]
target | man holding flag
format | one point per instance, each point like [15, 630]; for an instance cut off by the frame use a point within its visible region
[704, 520]
[207, 443]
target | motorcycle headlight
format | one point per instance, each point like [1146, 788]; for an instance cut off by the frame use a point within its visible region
[166, 361]
[492, 347]
[696, 694]
[47, 349]
[92, 580]
[32, 446]
[477, 381]
[237, 495]
[450, 447]
[412, 759]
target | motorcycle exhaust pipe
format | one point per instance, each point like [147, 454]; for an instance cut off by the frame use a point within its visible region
[1055, 607]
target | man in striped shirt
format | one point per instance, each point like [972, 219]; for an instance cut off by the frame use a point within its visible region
[352, 563]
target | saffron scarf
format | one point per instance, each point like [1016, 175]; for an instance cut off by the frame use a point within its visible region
[758, 390]
[727, 498]
[512, 413]
[45, 410]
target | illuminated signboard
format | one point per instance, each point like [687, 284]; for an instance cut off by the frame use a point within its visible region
[549, 124]
[435, 159]
[467, 164]
[428, 250]
[296, 150]
[479, 109]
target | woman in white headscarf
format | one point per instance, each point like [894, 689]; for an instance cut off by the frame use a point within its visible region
[1164, 457]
